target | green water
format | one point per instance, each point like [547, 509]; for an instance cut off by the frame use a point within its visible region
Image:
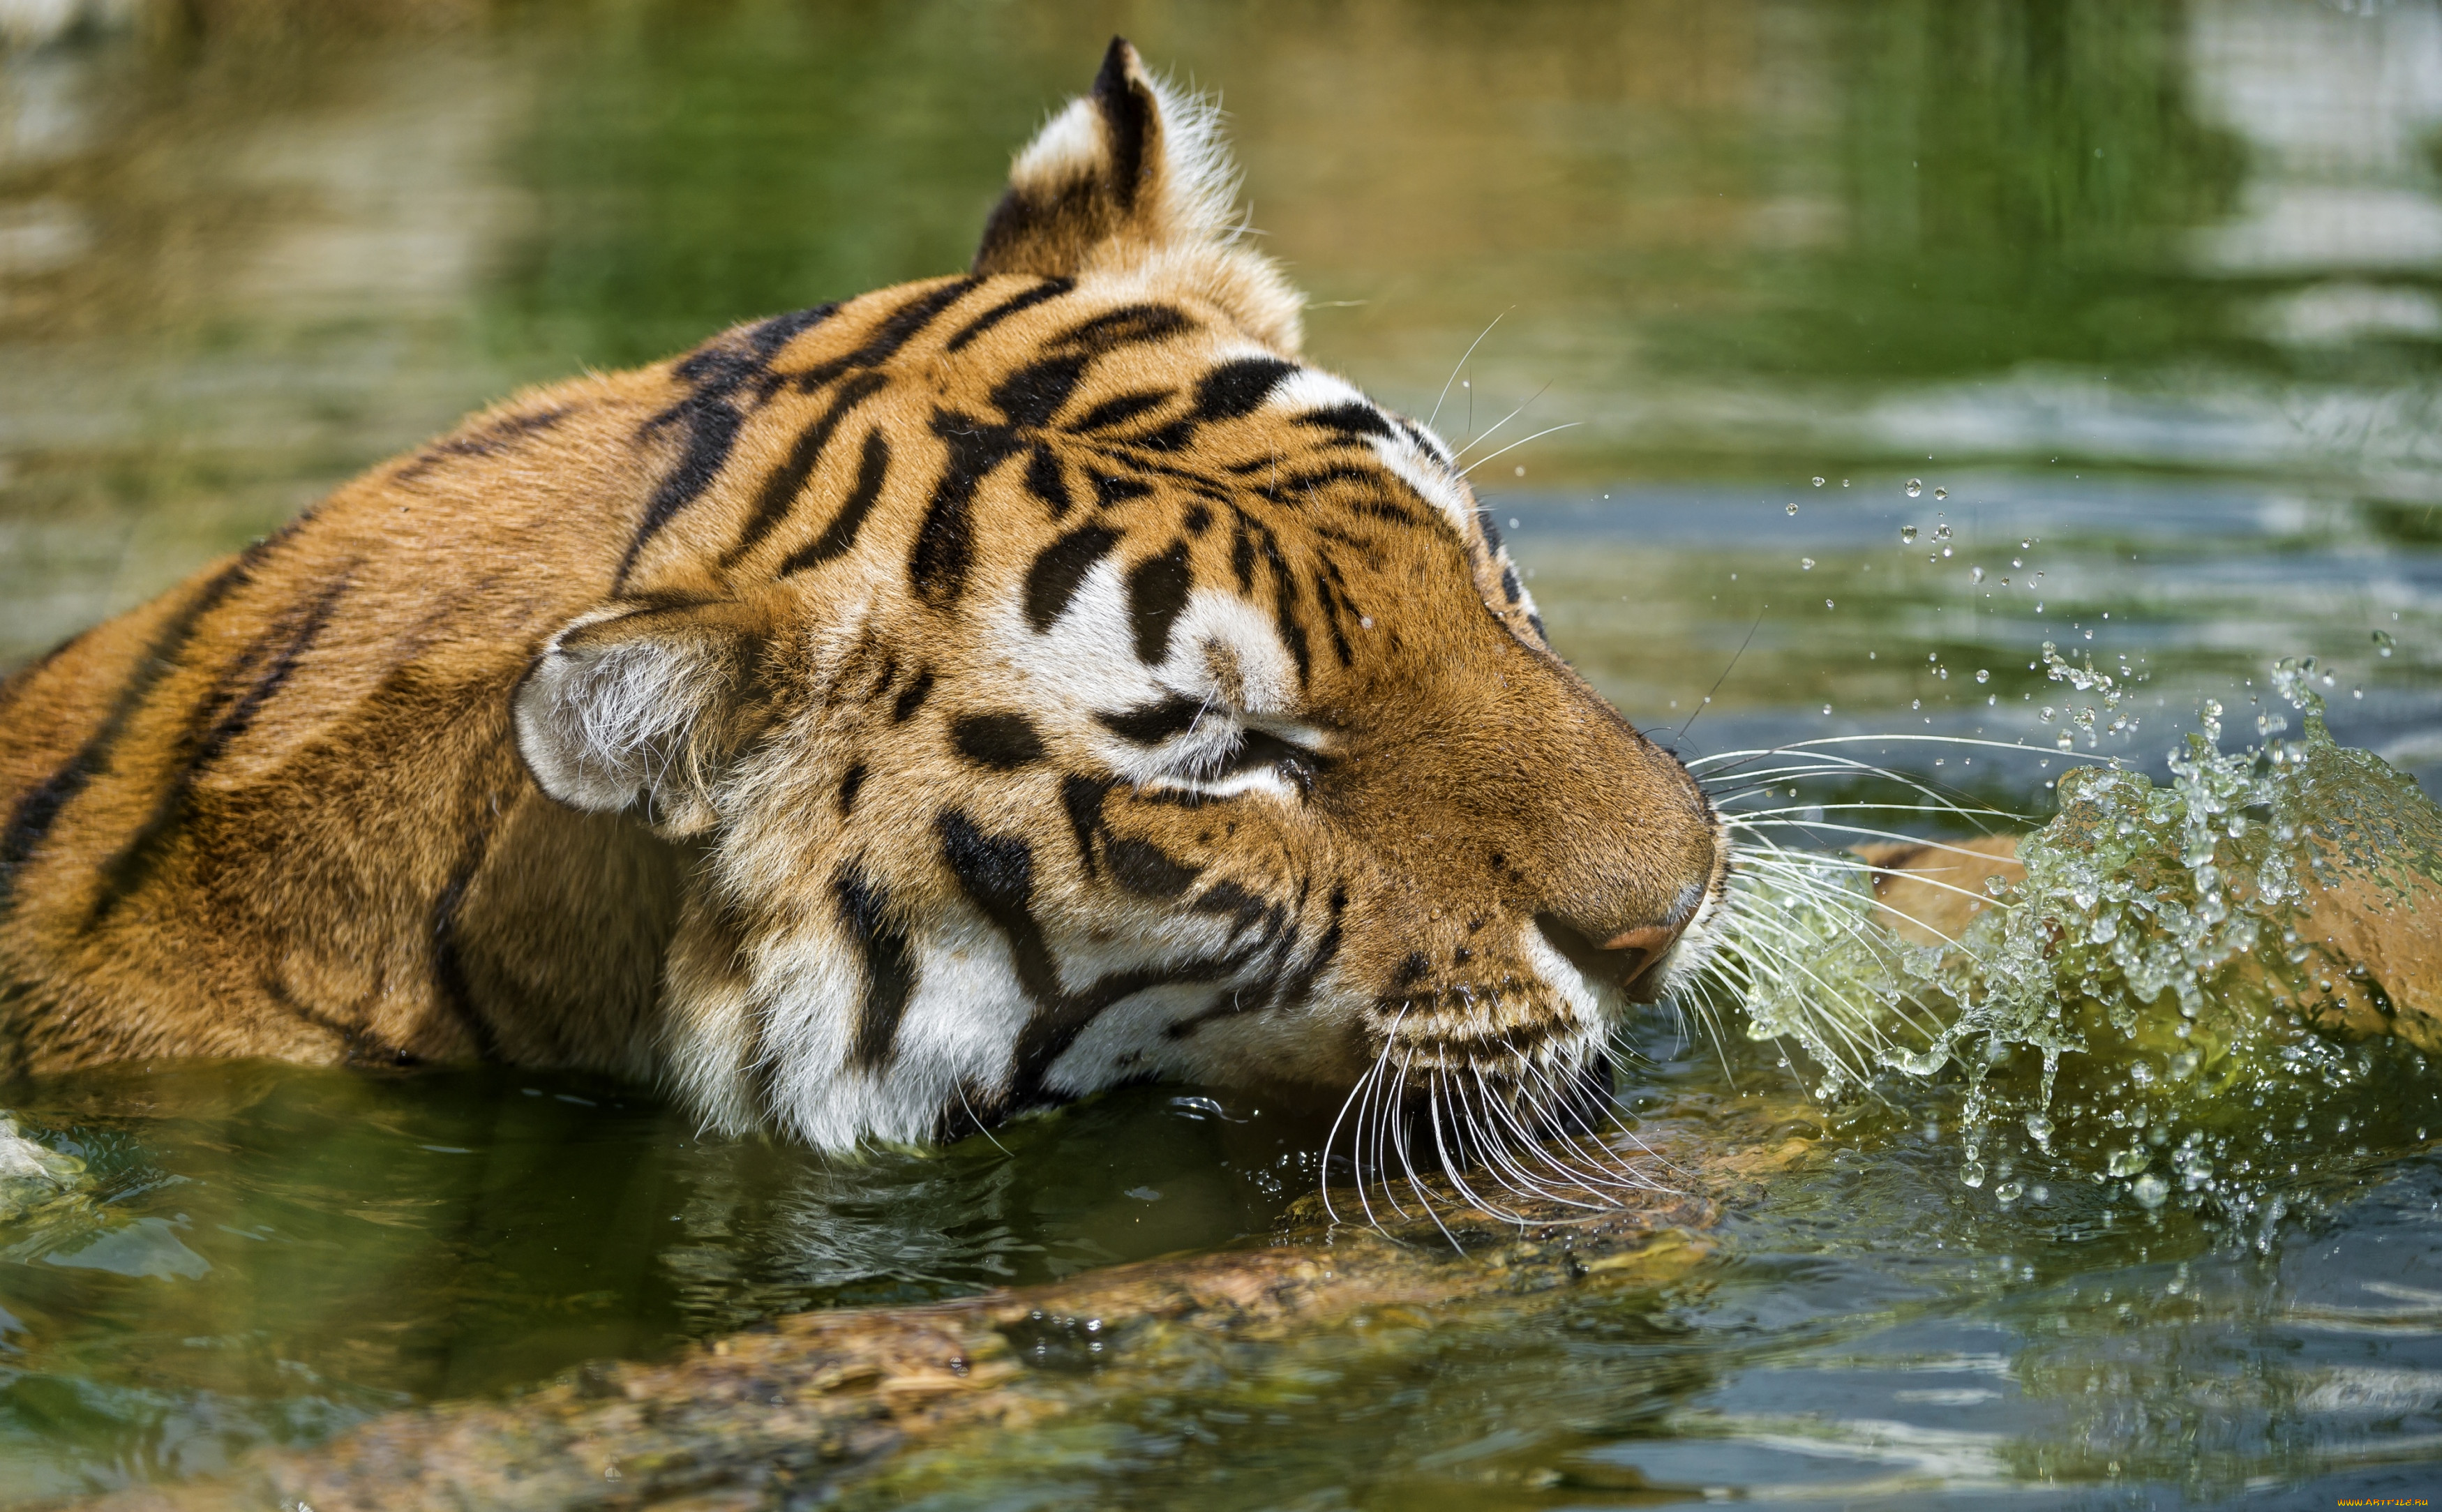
[2146, 298]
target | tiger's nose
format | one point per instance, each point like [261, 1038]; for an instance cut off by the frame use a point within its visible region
[1626, 960]
[1640, 951]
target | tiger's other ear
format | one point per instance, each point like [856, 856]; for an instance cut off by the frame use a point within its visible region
[643, 707]
[1132, 181]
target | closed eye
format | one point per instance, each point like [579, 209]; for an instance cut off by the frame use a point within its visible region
[1260, 749]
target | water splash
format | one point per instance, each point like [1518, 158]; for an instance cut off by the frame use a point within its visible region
[2165, 1004]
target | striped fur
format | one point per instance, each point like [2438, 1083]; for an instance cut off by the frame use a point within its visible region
[879, 720]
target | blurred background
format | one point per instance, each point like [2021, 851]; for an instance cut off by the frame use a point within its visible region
[2154, 288]
[1893, 338]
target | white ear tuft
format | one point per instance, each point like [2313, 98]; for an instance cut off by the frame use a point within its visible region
[1133, 179]
[628, 707]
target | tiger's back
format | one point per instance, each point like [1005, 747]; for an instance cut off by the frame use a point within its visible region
[279, 811]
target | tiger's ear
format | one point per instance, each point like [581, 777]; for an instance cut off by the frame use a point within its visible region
[1132, 181]
[641, 708]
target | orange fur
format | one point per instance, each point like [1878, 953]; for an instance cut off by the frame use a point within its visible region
[704, 722]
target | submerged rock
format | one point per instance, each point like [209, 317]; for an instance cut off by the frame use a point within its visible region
[31, 1173]
[823, 1403]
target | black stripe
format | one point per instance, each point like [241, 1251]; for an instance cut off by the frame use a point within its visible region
[996, 873]
[1330, 602]
[1120, 410]
[1242, 552]
[1048, 289]
[126, 871]
[872, 470]
[1228, 898]
[911, 698]
[1298, 486]
[39, 809]
[1491, 532]
[889, 969]
[767, 337]
[893, 332]
[1156, 595]
[1147, 869]
[1278, 939]
[1003, 742]
[1351, 418]
[1083, 799]
[1032, 396]
[1153, 724]
[1285, 598]
[945, 543]
[493, 438]
[780, 490]
[1047, 481]
[1427, 440]
[1240, 388]
[1326, 950]
[1128, 325]
[448, 968]
[850, 783]
[1060, 569]
[1176, 436]
[1110, 490]
[711, 420]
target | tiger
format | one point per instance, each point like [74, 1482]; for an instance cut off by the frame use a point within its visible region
[880, 721]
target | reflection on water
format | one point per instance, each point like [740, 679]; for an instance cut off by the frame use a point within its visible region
[2146, 296]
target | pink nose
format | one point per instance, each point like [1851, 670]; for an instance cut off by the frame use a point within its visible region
[1628, 957]
[1639, 951]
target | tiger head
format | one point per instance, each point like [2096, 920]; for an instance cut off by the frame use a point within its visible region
[1062, 687]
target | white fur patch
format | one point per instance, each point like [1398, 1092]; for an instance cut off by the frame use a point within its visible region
[1225, 653]
[1588, 1000]
[1431, 477]
[604, 722]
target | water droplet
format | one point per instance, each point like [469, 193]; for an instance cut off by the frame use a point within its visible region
[2384, 643]
[1942, 493]
[1972, 1173]
[2150, 1192]
[1818, 483]
[1983, 674]
[1827, 603]
[1806, 564]
[1907, 535]
[2027, 545]
[2127, 1162]
[1975, 575]
[1941, 532]
[1793, 506]
[2008, 1191]
[1915, 486]
[1826, 709]
[1945, 551]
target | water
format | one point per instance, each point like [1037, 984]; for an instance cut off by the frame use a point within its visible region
[2133, 309]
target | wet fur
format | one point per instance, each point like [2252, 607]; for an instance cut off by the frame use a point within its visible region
[878, 721]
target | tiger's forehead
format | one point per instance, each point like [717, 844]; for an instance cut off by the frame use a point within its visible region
[1150, 391]
[1010, 437]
